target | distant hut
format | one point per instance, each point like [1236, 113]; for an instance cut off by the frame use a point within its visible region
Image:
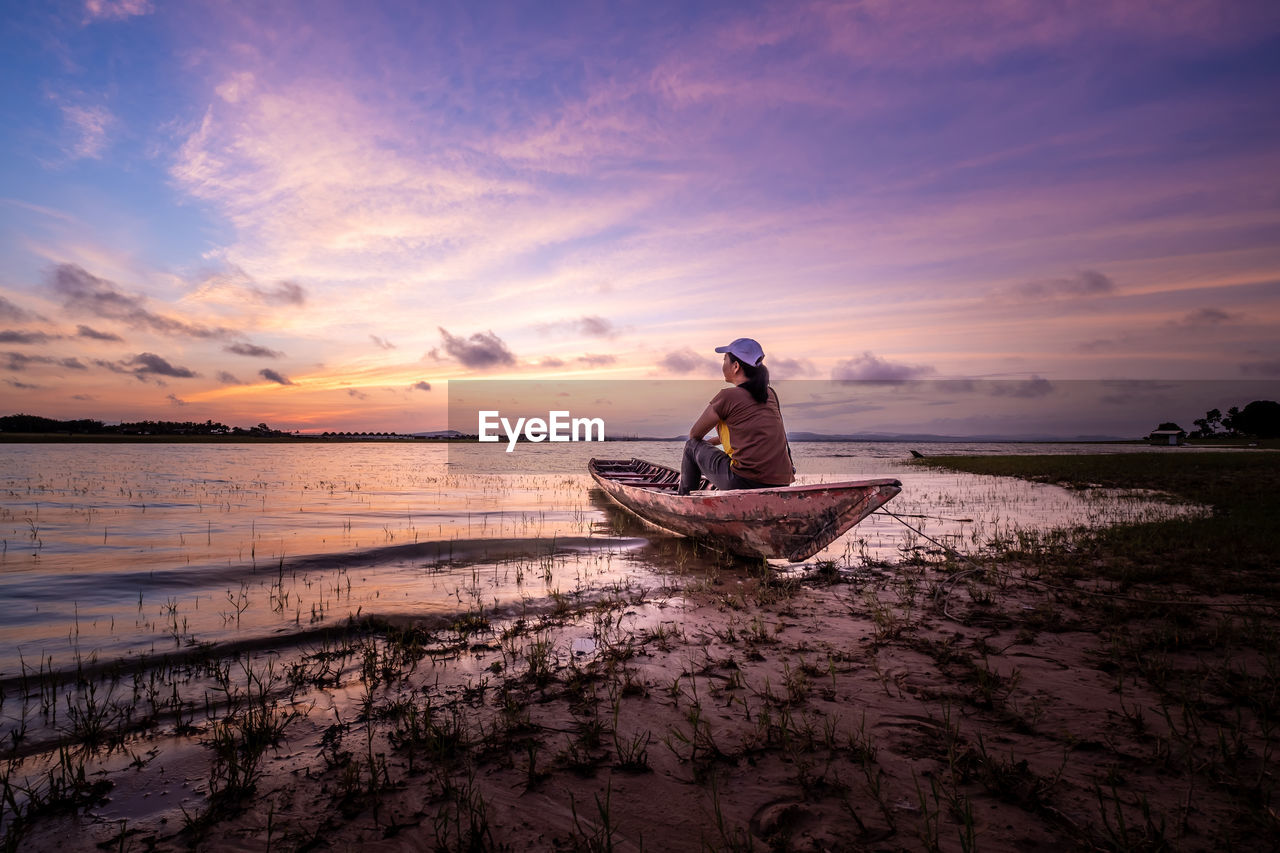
[1169, 437]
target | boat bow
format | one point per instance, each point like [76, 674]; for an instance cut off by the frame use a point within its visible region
[792, 522]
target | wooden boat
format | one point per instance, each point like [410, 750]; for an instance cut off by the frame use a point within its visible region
[794, 522]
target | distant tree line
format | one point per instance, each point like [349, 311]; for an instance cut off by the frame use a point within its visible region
[1261, 418]
[85, 426]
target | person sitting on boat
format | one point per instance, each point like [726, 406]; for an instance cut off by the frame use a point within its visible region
[748, 424]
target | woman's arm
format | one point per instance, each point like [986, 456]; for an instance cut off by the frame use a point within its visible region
[704, 424]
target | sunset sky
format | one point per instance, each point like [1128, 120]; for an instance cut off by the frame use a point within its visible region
[316, 214]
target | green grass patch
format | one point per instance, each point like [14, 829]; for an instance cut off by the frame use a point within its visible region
[1234, 549]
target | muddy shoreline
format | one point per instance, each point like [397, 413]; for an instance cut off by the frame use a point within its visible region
[804, 715]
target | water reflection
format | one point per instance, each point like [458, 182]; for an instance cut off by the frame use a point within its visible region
[139, 548]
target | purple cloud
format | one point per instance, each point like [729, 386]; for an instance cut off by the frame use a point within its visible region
[19, 361]
[685, 361]
[147, 364]
[1205, 317]
[789, 368]
[15, 313]
[481, 350]
[84, 292]
[420, 386]
[116, 10]
[868, 367]
[283, 293]
[1262, 368]
[1085, 284]
[1036, 386]
[271, 376]
[1097, 345]
[252, 350]
[589, 325]
[95, 335]
[597, 359]
[10, 336]
[150, 363]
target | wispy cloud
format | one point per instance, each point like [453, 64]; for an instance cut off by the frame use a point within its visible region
[15, 313]
[1098, 345]
[1205, 317]
[420, 386]
[116, 10]
[591, 326]
[86, 293]
[790, 368]
[1126, 392]
[1085, 284]
[95, 335]
[382, 343]
[324, 177]
[272, 376]
[1025, 389]
[1261, 368]
[176, 400]
[89, 126]
[252, 350]
[11, 336]
[228, 379]
[17, 361]
[310, 174]
[42, 210]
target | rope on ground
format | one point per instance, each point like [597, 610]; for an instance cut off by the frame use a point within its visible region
[933, 517]
[951, 581]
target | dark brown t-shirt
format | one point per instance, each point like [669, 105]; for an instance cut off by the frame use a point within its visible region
[753, 435]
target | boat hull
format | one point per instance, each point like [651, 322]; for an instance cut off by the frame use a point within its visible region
[791, 522]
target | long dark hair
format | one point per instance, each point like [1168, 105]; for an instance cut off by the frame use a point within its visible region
[757, 383]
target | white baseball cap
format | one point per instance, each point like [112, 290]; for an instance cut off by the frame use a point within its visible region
[746, 350]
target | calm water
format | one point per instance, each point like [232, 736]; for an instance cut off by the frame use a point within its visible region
[117, 550]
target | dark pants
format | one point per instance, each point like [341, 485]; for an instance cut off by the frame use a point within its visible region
[704, 460]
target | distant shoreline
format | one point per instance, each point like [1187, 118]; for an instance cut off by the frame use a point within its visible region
[110, 438]
[113, 438]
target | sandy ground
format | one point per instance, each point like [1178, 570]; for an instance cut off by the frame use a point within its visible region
[919, 708]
